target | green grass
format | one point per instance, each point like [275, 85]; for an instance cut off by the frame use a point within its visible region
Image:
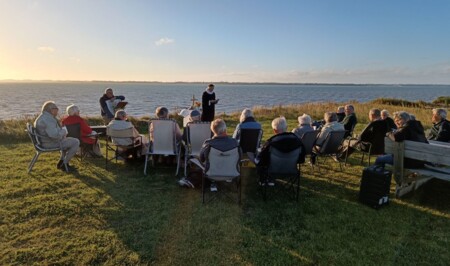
[121, 217]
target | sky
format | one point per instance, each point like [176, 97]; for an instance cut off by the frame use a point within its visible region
[298, 41]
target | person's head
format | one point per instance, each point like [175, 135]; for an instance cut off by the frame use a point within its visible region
[384, 114]
[279, 125]
[374, 114]
[121, 115]
[73, 110]
[401, 117]
[194, 116]
[210, 87]
[246, 113]
[162, 112]
[439, 114]
[109, 92]
[304, 120]
[50, 107]
[349, 109]
[218, 127]
[340, 109]
[329, 117]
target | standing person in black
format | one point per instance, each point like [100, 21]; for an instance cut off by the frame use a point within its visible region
[208, 103]
[107, 102]
[440, 131]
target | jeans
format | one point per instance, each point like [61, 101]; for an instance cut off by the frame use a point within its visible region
[385, 159]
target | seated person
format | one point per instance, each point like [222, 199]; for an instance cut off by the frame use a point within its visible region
[220, 141]
[283, 141]
[389, 121]
[194, 116]
[340, 113]
[121, 122]
[349, 120]
[373, 133]
[408, 129]
[331, 124]
[304, 125]
[52, 135]
[107, 103]
[440, 131]
[246, 121]
[73, 117]
[163, 113]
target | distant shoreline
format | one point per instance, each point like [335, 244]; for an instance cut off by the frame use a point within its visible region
[220, 83]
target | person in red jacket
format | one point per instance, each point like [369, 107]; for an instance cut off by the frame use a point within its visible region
[74, 118]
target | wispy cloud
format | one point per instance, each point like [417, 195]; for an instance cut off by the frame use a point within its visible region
[46, 49]
[164, 41]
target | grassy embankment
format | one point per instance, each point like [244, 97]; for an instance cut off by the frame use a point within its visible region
[120, 217]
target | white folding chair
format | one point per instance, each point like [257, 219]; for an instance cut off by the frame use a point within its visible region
[122, 141]
[197, 133]
[163, 141]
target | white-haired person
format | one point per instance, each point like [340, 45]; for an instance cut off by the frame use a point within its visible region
[220, 141]
[440, 131]
[283, 141]
[304, 125]
[52, 135]
[340, 112]
[121, 122]
[385, 116]
[194, 116]
[73, 117]
[331, 124]
[246, 121]
[163, 113]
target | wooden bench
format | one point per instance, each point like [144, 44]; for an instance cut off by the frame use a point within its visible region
[410, 179]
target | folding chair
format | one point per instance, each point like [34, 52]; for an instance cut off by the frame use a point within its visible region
[223, 167]
[284, 170]
[74, 131]
[330, 146]
[250, 140]
[164, 142]
[309, 140]
[38, 146]
[197, 133]
[122, 143]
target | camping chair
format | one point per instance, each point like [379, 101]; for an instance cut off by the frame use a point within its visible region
[197, 133]
[250, 140]
[284, 170]
[330, 146]
[363, 147]
[38, 147]
[121, 136]
[74, 131]
[309, 140]
[164, 142]
[224, 166]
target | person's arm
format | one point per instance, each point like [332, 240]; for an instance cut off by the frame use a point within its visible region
[120, 97]
[237, 132]
[52, 130]
[204, 152]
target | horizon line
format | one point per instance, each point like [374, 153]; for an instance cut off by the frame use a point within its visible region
[218, 82]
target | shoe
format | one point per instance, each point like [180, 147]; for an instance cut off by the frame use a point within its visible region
[70, 168]
[60, 164]
[182, 182]
[337, 159]
[213, 187]
[262, 182]
[271, 182]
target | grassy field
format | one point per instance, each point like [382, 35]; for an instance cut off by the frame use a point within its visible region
[121, 217]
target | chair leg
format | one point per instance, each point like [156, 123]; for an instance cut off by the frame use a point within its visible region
[239, 190]
[178, 163]
[146, 162]
[33, 161]
[203, 189]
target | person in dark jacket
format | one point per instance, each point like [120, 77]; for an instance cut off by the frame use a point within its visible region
[408, 129]
[283, 141]
[340, 113]
[389, 121]
[208, 103]
[246, 121]
[373, 133]
[441, 126]
[107, 102]
[349, 120]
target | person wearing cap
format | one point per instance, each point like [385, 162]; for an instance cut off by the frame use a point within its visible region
[194, 116]
[304, 125]
[246, 121]
[52, 135]
[208, 103]
[106, 105]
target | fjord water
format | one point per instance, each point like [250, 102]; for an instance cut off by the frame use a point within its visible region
[26, 98]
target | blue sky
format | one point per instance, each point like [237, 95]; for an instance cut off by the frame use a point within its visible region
[340, 41]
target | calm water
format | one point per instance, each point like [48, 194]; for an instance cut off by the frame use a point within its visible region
[20, 99]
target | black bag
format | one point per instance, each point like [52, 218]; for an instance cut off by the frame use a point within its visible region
[375, 186]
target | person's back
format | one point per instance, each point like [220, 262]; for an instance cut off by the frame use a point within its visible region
[247, 121]
[330, 125]
[375, 133]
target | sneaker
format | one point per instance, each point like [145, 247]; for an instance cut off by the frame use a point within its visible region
[271, 182]
[182, 182]
[262, 182]
[213, 187]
